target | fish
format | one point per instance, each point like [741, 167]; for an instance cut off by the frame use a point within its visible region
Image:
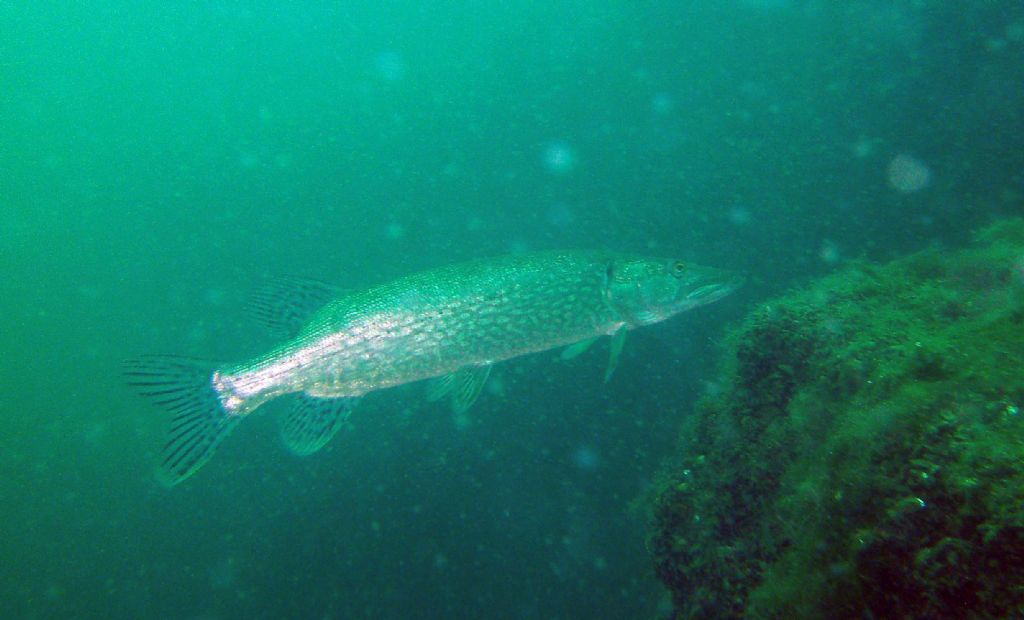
[450, 325]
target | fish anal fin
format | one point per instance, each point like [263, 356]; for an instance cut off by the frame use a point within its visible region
[439, 387]
[464, 386]
[285, 304]
[577, 348]
[618, 341]
[469, 382]
[313, 421]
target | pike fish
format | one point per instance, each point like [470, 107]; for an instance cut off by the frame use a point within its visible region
[449, 324]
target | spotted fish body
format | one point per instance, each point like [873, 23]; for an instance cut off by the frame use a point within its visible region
[453, 322]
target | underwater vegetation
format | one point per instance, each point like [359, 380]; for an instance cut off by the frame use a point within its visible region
[863, 456]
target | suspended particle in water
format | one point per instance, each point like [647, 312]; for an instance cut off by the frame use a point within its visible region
[1017, 270]
[560, 215]
[214, 296]
[462, 421]
[248, 160]
[829, 252]
[495, 385]
[559, 157]
[224, 573]
[586, 458]
[662, 104]
[739, 216]
[390, 66]
[864, 147]
[908, 174]
[394, 231]
[767, 4]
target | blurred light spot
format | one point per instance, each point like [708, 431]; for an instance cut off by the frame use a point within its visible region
[1015, 32]
[214, 296]
[829, 252]
[586, 458]
[394, 231]
[495, 385]
[739, 216]
[560, 215]
[766, 4]
[223, 574]
[662, 104]
[864, 147]
[908, 174]
[248, 160]
[390, 66]
[559, 158]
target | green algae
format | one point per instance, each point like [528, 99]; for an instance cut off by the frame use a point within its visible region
[864, 458]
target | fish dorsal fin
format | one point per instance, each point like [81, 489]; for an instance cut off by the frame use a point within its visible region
[285, 304]
[313, 421]
[463, 385]
[577, 348]
[618, 340]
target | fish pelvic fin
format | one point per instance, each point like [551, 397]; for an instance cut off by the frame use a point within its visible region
[185, 387]
[615, 352]
[313, 421]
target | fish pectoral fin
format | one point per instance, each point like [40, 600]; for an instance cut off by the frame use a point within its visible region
[313, 421]
[577, 348]
[285, 304]
[463, 385]
[618, 340]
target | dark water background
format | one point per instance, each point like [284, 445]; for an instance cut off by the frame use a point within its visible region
[158, 158]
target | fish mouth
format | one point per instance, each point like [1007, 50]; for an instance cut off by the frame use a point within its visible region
[714, 290]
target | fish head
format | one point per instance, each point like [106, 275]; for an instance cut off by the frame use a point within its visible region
[648, 290]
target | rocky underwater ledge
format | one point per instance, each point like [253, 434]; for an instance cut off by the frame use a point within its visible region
[863, 458]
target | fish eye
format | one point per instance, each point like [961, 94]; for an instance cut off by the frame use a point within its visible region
[678, 268]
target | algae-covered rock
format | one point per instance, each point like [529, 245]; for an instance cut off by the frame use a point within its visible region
[865, 458]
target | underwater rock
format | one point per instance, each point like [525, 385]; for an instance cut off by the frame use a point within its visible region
[865, 457]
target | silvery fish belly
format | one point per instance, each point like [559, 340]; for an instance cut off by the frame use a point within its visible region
[449, 324]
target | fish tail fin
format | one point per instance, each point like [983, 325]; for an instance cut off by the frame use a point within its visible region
[185, 387]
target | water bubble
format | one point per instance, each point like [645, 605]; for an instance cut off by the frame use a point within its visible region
[559, 157]
[908, 174]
